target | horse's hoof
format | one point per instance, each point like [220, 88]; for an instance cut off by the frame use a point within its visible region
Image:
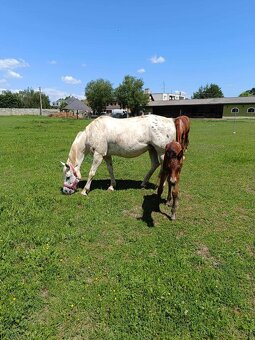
[84, 193]
[111, 188]
[173, 217]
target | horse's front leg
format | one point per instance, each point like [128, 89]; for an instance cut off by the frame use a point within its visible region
[175, 194]
[97, 160]
[108, 160]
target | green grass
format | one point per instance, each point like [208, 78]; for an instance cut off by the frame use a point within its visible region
[114, 266]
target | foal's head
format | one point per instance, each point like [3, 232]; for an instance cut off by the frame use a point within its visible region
[173, 161]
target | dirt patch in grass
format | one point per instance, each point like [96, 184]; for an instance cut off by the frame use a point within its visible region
[205, 253]
[70, 115]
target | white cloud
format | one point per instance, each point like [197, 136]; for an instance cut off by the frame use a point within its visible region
[12, 63]
[55, 94]
[12, 90]
[3, 81]
[70, 80]
[141, 70]
[52, 62]
[157, 60]
[12, 74]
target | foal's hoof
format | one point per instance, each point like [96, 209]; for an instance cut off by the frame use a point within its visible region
[84, 193]
[111, 188]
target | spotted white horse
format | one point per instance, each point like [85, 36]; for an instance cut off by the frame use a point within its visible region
[107, 136]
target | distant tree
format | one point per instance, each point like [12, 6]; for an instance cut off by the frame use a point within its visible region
[130, 94]
[9, 99]
[208, 91]
[248, 93]
[99, 93]
[31, 99]
[62, 105]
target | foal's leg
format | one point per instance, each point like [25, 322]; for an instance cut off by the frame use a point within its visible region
[161, 183]
[170, 186]
[97, 160]
[154, 164]
[108, 161]
[175, 194]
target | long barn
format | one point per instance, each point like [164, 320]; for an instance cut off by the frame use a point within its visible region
[204, 108]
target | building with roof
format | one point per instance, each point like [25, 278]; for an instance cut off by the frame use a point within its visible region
[77, 105]
[204, 108]
[165, 95]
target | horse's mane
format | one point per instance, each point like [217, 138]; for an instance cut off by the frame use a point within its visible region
[72, 157]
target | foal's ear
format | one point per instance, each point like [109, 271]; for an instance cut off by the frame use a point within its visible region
[180, 155]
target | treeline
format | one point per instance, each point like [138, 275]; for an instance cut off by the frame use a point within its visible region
[28, 98]
[248, 93]
[129, 94]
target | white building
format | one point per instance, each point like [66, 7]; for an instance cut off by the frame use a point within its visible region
[165, 96]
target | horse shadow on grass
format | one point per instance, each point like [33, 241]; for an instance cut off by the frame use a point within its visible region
[151, 204]
[121, 184]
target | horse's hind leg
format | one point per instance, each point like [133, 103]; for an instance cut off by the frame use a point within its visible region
[187, 139]
[97, 160]
[108, 161]
[154, 164]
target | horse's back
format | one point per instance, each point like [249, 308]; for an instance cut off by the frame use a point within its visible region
[130, 137]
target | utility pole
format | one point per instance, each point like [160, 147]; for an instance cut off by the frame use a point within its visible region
[40, 95]
[164, 87]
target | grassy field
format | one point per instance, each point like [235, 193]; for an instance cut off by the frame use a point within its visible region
[113, 265]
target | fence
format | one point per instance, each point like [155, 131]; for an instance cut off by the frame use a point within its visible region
[31, 112]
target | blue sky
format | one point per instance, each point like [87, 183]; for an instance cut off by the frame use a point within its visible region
[172, 45]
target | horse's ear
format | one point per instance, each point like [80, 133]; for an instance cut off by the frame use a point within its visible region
[65, 164]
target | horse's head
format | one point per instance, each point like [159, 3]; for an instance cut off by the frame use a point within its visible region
[71, 179]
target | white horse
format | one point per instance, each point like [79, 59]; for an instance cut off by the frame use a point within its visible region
[107, 136]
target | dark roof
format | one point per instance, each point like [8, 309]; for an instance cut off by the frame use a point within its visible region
[77, 104]
[209, 101]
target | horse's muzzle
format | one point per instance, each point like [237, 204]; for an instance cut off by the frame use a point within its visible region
[68, 191]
